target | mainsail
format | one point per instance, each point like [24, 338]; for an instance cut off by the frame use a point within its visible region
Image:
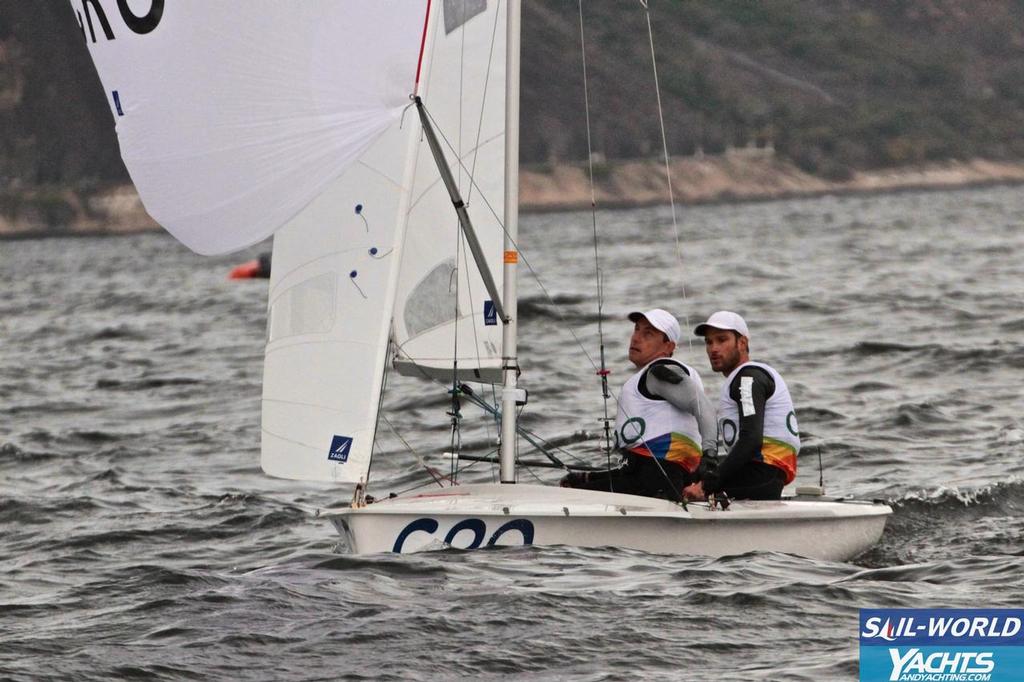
[443, 315]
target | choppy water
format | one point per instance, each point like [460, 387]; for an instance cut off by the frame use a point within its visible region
[140, 540]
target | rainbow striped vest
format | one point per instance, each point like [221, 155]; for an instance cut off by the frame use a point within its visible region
[654, 427]
[781, 438]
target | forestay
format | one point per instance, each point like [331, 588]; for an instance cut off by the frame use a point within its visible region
[232, 116]
[442, 311]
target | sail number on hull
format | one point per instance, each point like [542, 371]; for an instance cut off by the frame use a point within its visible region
[476, 527]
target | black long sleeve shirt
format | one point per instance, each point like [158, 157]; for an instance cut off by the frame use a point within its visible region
[750, 430]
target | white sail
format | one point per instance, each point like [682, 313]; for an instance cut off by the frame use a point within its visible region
[234, 116]
[442, 312]
[237, 118]
[331, 290]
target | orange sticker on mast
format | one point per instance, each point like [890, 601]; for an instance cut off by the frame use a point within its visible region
[511, 256]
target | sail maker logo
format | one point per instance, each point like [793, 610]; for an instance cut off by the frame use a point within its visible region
[941, 645]
[340, 447]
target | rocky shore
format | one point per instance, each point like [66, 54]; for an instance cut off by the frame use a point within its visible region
[740, 175]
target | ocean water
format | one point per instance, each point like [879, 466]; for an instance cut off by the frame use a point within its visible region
[140, 540]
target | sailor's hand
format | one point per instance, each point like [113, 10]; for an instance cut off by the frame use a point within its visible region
[694, 491]
[708, 464]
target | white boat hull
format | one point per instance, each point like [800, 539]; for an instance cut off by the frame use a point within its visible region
[471, 516]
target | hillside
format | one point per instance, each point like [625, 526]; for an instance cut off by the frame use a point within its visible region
[833, 85]
[834, 93]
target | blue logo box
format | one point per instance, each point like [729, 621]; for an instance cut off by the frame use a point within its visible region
[941, 645]
[340, 447]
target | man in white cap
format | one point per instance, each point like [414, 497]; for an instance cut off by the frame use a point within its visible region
[755, 417]
[664, 421]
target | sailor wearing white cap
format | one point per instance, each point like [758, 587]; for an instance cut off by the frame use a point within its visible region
[755, 416]
[664, 419]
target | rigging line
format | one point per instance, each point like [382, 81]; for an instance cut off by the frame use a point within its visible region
[668, 179]
[419, 458]
[417, 487]
[483, 102]
[490, 410]
[467, 467]
[603, 372]
[668, 169]
[380, 408]
[456, 439]
[522, 255]
[469, 295]
[519, 465]
[472, 307]
[529, 437]
[533, 271]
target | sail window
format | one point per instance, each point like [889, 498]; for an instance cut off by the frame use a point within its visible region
[458, 12]
[432, 301]
[306, 308]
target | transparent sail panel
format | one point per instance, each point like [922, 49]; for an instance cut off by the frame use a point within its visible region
[306, 308]
[431, 303]
[458, 12]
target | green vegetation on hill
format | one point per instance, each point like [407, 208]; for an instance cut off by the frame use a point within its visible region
[834, 85]
[57, 127]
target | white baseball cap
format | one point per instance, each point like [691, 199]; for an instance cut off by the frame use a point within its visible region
[723, 319]
[661, 320]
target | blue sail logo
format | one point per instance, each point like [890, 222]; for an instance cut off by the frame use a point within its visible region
[340, 447]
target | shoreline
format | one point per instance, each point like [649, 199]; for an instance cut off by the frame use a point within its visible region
[739, 176]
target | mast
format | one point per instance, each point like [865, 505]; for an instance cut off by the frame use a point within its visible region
[510, 363]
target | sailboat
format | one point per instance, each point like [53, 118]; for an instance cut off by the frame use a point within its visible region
[378, 143]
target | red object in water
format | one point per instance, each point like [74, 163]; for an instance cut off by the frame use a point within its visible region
[259, 268]
[246, 270]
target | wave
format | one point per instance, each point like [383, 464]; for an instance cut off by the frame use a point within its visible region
[145, 384]
[575, 310]
[118, 332]
[1004, 497]
[944, 358]
[946, 523]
